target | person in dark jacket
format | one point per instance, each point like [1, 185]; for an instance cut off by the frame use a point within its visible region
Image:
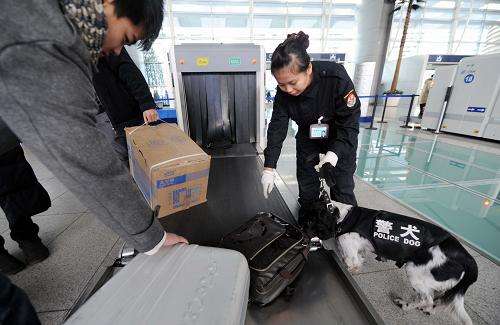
[21, 197]
[124, 95]
[320, 98]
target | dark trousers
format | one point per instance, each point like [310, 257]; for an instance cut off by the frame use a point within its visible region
[307, 157]
[15, 307]
[422, 109]
[21, 195]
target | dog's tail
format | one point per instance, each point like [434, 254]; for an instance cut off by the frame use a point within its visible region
[454, 297]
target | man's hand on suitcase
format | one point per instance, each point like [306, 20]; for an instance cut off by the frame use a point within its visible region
[168, 239]
[173, 239]
[151, 115]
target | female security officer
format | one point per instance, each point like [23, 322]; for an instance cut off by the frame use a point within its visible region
[320, 98]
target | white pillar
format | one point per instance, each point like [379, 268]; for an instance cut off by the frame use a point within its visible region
[374, 28]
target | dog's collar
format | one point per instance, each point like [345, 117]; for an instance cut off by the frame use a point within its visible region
[331, 210]
[344, 223]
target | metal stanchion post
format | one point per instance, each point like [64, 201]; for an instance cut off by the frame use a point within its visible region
[383, 112]
[373, 114]
[409, 113]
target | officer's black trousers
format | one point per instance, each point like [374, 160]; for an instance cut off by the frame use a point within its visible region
[21, 195]
[307, 157]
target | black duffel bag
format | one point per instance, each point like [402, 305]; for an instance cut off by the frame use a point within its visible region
[276, 252]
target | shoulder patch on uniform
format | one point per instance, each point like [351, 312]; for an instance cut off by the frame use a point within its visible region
[350, 98]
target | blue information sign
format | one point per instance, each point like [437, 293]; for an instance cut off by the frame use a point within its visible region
[469, 78]
[446, 58]
[476, 109]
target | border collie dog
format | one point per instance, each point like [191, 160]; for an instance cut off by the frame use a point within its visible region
[439, 268]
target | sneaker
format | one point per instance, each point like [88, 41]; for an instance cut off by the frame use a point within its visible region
[9, 264]
[34, 250]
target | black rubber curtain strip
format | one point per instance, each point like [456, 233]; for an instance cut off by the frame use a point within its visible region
[221, 107]
[231, 106]
[252, 105]
[214, 111]
[224, 102]
[241, 107]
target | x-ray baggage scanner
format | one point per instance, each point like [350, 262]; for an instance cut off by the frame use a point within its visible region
[219, 90]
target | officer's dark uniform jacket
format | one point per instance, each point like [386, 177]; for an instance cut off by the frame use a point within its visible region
[388, 236]
[326, 96]
[122, 90]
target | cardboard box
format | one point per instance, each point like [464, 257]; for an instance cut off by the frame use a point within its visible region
[169, 168]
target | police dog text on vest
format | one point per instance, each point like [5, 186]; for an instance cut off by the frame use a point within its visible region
[385, 227]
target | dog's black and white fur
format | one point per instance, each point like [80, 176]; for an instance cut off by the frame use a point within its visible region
[440, 274]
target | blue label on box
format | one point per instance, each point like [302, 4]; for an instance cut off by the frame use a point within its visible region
[476, 109]
[178, 197]
[162, 183]
[185, 196]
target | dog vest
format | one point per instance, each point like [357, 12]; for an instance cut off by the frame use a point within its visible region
[393, 236]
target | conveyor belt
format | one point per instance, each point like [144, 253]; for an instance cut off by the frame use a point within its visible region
[234, 196]
[324, 294]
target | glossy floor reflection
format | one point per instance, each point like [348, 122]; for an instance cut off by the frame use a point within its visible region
[455, 183]
[458, 211]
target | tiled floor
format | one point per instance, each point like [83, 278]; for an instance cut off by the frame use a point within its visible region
[81, 247]
[408, 172]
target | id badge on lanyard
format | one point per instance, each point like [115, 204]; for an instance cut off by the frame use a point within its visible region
[319, 130]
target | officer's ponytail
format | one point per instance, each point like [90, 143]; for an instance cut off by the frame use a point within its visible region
[292, 51]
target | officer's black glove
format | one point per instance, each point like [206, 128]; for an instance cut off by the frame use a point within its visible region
[327, 173]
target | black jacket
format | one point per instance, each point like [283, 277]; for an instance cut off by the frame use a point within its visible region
[327, 96]
[393, 236]
[121, 88]
[8, 140]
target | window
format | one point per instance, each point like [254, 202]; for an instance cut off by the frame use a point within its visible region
[269, 21]
[447, 27]
[304, 22]
[440, 27]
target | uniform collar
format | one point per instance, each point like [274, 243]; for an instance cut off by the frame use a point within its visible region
[312, 90]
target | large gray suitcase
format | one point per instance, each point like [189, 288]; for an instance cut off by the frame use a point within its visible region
[179, 285]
